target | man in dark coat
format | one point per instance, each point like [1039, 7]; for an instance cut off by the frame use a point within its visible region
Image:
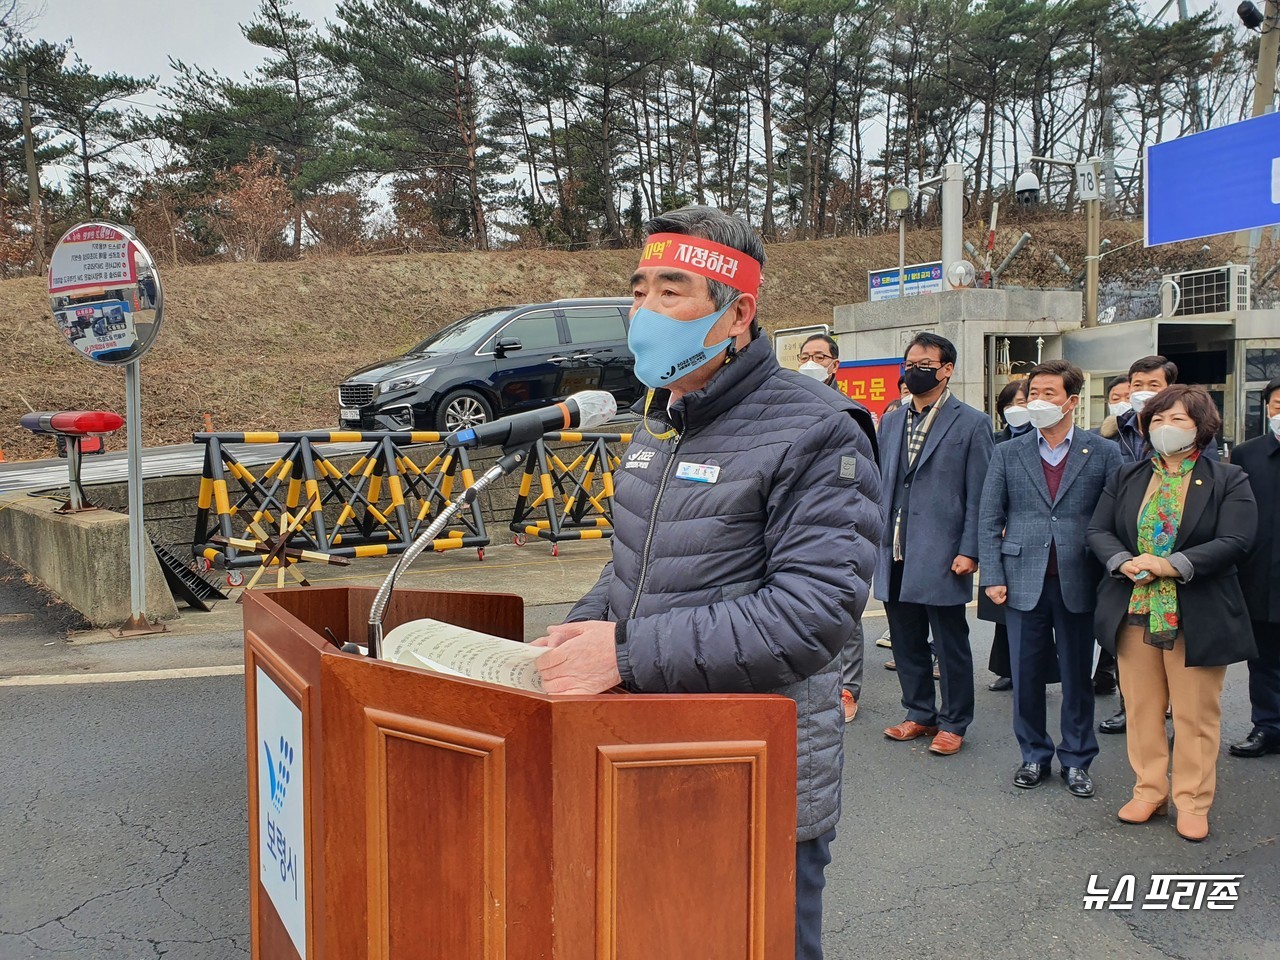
[935, 452]
[820, 359]
[1260, 580]
[745, 522]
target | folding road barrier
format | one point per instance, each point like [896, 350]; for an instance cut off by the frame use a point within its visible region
[375, 508]
[574, 500]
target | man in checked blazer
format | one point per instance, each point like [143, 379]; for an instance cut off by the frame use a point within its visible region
[1040, 493]
[933, 458]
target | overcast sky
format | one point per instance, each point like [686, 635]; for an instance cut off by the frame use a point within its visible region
[138, 37]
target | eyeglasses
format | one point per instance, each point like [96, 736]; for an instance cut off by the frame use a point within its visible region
[818, 357]
[920, 366]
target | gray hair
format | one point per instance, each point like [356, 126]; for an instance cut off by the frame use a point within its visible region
[718, 227]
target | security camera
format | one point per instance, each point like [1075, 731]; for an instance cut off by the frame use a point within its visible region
[1249, 15]
[1027, 189]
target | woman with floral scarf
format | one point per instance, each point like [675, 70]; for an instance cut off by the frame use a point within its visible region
[1170, 531]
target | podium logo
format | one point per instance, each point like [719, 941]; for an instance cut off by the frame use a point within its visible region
[278, 770]
[639, 459]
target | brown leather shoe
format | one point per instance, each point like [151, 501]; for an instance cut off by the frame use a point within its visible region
[1140, 811]
[946, 743]
[850, 705]
[1192, 826]
[909, 730]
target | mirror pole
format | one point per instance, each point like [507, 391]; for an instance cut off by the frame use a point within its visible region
[138, 622]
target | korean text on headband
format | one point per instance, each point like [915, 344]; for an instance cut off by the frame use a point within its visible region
[703, 257]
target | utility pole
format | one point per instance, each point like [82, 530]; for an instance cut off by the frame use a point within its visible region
[1264, 87]
[1264, 93]
[1093, 247]
[1090, 193]
[33, 174]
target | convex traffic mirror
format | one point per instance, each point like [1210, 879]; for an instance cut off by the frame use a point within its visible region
[105, 293]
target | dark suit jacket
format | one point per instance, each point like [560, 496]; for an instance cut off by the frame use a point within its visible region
[1020, 520]
[1219, 522]
[942, 516]
[1260, 574]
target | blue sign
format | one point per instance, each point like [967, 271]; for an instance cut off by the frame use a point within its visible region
[1219, 181]
[917, 278]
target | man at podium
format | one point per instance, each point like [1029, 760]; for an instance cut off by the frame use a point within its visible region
[746, 518]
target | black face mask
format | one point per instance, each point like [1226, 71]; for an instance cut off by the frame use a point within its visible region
[921, 381]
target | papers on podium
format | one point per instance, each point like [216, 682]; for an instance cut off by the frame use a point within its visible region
[459, 652]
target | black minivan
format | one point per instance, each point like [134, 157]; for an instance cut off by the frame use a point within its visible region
[496, 362]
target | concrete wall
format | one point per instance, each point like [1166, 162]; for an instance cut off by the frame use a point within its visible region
[966, 318]
[83, 558]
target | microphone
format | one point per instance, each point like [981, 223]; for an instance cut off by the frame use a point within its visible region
[583, 410]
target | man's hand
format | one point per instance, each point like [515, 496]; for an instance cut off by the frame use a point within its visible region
[962, 566]
[997, 595]
[580, 658]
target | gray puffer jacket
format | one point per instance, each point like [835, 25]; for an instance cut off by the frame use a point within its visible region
[743, 551]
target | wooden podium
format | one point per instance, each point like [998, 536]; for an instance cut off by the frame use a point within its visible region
[420, 816]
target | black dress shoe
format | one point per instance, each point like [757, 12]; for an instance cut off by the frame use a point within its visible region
[1078, 781]
[1257, 744]
[1000, 684]
[1031, 775]
[1116, 724]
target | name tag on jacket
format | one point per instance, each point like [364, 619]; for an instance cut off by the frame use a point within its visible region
[698, 472]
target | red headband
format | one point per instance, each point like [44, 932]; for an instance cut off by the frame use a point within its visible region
[703, 257]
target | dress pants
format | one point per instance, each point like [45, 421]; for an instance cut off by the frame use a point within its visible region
[1046, 636]
[909, 627]
[812, 857]
[998, 663]
[1264, 679]
[1152, 678]
[851, 661]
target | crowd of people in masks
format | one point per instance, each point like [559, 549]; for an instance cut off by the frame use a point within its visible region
[756, 509]
[1128, 559]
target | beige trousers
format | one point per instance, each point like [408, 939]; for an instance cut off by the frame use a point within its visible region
[1150, 679]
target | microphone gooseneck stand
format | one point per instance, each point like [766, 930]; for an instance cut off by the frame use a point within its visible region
[505, 465]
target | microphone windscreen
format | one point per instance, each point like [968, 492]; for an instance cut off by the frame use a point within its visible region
[595, 407]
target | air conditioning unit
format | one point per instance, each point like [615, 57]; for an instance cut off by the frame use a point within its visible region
[1198, 293]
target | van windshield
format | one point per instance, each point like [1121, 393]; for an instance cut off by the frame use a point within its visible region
[462, 334]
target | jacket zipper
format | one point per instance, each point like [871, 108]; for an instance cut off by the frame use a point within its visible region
[653, 523]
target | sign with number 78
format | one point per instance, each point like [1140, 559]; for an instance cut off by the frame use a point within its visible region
[1087, 182]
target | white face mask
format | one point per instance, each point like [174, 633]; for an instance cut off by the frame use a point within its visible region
[811, 368]
[1274, 424]
[1138, 399]
[1119, 409]
[1168, 439]
[1016, 416]
[1044, 414]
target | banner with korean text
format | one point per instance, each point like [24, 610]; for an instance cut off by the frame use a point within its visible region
[873, 383]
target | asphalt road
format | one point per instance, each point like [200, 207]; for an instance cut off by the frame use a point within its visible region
[123, 831]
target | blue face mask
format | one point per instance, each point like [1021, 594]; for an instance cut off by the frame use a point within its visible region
[666, 349]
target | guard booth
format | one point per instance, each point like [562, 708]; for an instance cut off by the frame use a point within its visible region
[1207, 325]
[1209, 328]
[999, 334]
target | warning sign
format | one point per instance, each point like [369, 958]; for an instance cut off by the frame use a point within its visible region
[90, 257]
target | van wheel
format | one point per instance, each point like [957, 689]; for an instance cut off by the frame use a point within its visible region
[462, 409]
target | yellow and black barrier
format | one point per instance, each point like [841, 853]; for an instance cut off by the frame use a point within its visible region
[568, 497]
[375, 508]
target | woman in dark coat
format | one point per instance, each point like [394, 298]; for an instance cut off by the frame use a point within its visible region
[1011, 410]
[1170, 531]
